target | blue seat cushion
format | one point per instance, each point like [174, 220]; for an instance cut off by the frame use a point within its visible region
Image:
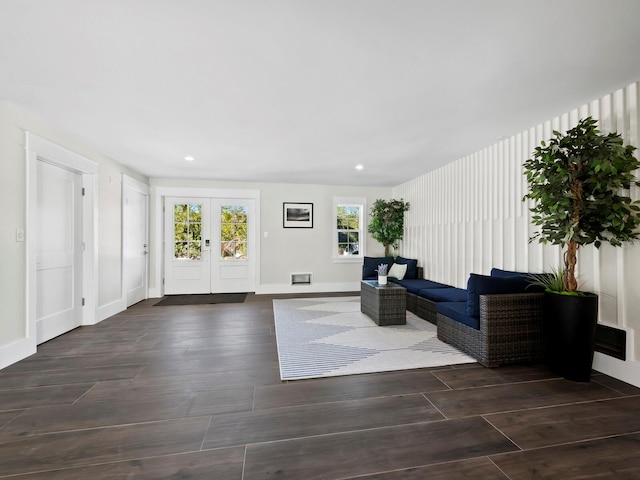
[458, 311]
[416, 284]
[449, 294]
[370, 266]
[412, 267]
[482, 284]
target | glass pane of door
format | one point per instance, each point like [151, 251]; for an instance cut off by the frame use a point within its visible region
[233, 232]
[187, 228]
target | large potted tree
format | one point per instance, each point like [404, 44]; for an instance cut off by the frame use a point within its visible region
[579, 184]
[387, 222]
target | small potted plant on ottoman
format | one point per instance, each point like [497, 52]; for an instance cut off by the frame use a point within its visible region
[382, 270]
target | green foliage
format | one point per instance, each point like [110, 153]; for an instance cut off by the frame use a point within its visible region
[579, 183]
[187, 230]
[552, 281]
[348, 225]
[348, 217]
[233, 232]
[387, 222]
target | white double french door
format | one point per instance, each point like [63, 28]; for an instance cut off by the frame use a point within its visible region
[210, 245]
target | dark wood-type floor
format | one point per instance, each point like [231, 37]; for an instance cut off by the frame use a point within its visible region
[194, 392]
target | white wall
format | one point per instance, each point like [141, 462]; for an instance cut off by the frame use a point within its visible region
[110, 299]
[13, 123]
[12, 216]
[469, 216]
[286, 251]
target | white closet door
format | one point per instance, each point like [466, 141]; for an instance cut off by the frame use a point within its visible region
[135, 240]
[58, 246]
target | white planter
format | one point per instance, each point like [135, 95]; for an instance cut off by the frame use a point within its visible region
[382, 279]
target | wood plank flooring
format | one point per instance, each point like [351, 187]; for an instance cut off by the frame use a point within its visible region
[194, 392]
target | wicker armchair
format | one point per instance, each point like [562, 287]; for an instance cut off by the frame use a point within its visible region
[510, 330]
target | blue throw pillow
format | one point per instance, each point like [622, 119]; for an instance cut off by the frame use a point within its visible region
[481, 285]
[496, 272]
[370, 265]
[524, 277]
[412, 267]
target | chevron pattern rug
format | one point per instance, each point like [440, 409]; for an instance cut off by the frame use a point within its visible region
[328, 337]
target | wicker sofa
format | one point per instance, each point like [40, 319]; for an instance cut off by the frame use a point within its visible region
[509, 329]
[497, 320]
[413, 282]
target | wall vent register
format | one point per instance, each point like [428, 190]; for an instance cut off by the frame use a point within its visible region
[300, 279]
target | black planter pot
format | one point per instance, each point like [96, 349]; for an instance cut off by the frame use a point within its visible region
[570, 332]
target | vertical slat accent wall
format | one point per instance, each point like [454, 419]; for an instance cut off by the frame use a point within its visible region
[469, 216]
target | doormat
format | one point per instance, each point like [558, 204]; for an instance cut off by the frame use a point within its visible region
[328, 337]
[201, 299]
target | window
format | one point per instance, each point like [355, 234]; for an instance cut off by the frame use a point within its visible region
[349, 234]
[233, 232]
[348, 221]
[187, 231]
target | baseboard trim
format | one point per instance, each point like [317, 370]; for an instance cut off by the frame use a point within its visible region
[154, 293]
[16, 351]
[627, 371]
[278, 288]
[110, 309]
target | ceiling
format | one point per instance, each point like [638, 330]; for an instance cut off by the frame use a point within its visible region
[302, 91]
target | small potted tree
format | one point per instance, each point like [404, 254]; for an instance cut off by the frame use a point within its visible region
[579, 184]
[387, 222]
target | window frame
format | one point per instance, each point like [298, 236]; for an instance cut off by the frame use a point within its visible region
[361, 203]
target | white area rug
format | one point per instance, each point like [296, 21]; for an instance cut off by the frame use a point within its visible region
[328, 337]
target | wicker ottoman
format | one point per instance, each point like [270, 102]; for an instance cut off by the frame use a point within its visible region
[385, 304]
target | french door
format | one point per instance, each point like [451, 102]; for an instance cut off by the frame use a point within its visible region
[210, 245]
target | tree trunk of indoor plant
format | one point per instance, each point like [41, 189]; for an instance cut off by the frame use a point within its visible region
[570, 330]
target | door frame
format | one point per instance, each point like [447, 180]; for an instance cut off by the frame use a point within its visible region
[40, 149]
[130, 183]
[157, 226]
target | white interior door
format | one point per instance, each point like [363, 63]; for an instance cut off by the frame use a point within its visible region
[233, 251]
[58, 251]
[135, 242]
[187, 245]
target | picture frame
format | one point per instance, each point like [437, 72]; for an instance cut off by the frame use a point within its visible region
[297, 215]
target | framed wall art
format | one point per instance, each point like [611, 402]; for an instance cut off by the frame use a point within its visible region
[297, 215]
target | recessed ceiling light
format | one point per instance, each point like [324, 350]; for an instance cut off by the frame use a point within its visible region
[359, 167]
[189, 158]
